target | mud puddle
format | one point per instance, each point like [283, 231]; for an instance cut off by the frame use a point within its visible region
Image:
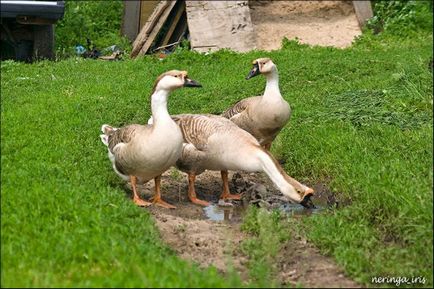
[211, 236]
[218, 213]
[265, 196]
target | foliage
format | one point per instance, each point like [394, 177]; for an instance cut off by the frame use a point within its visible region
[269, 232]
[100, 21]
[361, 118]
[400, 17]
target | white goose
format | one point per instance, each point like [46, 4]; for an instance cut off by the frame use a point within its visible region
[144, 152]
[215, 143]
[262, 116]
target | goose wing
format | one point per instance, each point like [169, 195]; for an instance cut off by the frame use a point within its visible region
[197, 128]
[123, 135]
[238, 107]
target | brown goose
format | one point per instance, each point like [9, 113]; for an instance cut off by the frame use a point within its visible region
[262, 116]
[144, 152]
[213, 142]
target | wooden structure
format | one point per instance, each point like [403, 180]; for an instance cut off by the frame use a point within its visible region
[363, 11]
[135, 15]
[211, 25]
[215, 25]
[166, 24]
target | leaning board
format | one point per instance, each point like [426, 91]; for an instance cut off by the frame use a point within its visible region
[220, 24]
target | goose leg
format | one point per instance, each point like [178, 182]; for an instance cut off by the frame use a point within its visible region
[192, 191]
[156, 199]
[136, 198]
[226, 194]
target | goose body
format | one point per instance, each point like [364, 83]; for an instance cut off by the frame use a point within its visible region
[215, 143]
[262, 116]
[144, 152]
[209, 144]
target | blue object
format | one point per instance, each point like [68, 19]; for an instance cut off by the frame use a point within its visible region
[79, 49]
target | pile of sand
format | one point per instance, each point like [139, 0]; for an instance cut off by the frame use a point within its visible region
[324, 23]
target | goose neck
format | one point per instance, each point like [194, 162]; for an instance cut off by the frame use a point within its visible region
[159, 106]
[272, 86]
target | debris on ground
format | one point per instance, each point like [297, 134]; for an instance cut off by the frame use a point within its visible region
[195, 234]
[94, 53]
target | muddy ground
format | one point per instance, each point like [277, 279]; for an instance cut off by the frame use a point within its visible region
[212, 235]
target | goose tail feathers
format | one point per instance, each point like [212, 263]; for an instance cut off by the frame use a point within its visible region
[107, 130]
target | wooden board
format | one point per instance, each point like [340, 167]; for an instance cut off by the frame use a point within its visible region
[220, 24]
[179, 10]
[146, 9]
[363, 11]
[130, 19]
[151, 28]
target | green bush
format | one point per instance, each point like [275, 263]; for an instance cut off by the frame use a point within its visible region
[401, 18]
[100, 21]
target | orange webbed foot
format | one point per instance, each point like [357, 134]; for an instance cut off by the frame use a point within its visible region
[199, 202]
[141, 203]
[161, 203]
[231, 197]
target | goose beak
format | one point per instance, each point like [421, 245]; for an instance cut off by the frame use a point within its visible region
[191, 83]
[307, 202]
[255, 71]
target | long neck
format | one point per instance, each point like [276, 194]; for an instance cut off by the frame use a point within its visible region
[287, 185]
[159, 106]
[272, 88]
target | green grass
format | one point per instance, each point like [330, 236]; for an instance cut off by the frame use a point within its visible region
[269, 231]
[362, 120]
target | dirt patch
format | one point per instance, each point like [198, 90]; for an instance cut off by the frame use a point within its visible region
[324, 23]
[299, 262]
[189, 231]
[204, 242]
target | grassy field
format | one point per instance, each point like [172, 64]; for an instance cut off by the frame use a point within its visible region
[362, 123]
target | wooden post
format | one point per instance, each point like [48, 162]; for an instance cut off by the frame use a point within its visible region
[130, 19]
[363, 11]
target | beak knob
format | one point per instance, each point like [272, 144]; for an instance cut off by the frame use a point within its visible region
[254, 72]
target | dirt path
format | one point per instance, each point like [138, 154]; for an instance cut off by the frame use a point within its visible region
[324, 23]
[190, 232]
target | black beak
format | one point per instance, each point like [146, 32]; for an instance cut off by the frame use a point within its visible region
[191, 83]
[255, 71]
[307, 202]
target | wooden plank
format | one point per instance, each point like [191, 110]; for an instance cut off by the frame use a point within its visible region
[179, 9]
[177, 35]
[180, 29]
[220, 24]
[130, 19]
[363, 11]
[146, 9]
[157, 28]
[151, 28]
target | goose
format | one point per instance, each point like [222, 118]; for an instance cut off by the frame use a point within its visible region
[262, 116]
[144, 152]
[212, 142]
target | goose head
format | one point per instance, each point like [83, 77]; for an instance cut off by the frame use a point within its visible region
[261, 66]
[174, 79]
[306, 199]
